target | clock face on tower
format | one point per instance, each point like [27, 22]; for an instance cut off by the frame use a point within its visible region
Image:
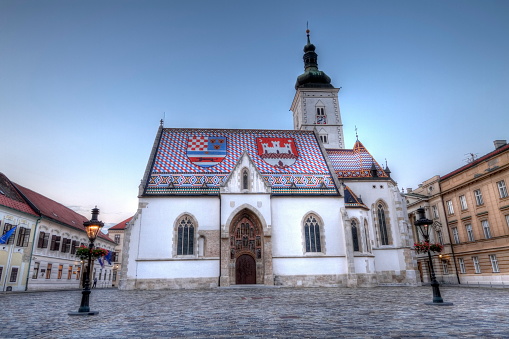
[321, 119]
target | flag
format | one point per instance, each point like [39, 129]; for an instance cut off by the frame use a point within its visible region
[107, 257]
[6, 236]
[101, 262]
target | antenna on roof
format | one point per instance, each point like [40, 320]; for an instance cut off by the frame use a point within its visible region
[471, 158]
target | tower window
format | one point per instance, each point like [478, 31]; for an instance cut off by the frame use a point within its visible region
[324, 139]
[321, 118]
[245, 177]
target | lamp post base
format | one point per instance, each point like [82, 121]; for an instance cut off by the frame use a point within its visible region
[439, 304]
[84, 313]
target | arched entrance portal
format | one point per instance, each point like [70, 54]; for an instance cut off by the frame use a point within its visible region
[246, 249]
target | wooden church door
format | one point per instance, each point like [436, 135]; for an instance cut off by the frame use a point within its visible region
[245, 270]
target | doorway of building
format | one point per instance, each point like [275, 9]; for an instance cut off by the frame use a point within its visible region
[245, 270]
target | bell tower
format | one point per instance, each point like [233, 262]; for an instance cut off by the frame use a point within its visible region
[315, 105]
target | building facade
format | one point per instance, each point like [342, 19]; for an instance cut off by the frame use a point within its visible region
[15, 252]
[472, 206]
[224, 207]
[41, 253]
[117, 234]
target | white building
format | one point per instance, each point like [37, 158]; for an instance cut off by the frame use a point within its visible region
[221, 207]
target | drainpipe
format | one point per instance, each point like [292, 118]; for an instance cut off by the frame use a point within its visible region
[32, 253]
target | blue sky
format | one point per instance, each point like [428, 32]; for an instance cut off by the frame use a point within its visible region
[83, 84]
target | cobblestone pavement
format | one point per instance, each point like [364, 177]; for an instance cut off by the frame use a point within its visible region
[382, 312]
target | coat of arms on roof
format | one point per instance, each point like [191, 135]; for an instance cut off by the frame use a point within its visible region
[206, 151]
[278, 152]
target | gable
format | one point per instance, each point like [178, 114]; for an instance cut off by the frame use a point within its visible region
[199, 161]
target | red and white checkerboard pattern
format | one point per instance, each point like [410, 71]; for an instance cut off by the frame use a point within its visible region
[197, 143]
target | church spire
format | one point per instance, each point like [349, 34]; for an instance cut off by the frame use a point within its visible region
[312, 77]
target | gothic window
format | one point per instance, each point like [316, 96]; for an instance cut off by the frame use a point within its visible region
[245, 179]
[321, 118]
[312, 234]
[382, 224]
[355, 236]
[366, 237]
[185, 236]
[324, 139]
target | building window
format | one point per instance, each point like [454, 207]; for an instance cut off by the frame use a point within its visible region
[14, 274]
[60, 270]
[445, 266]
[382, 225]
[48, 271]
[502, 190]
[78, 272]
[494, 263]
[43, 240]
[55, 243]
[323, 138]
[66, 245]
[245, 179]
[470, 232]
[450, 208]
[74, 245]
[477, 267]
[7, 228]
[463, 202]
[312, 234]
[355, 236]
[434, 208]
[455, 235]
[23, 237]
[321, 118]
[185, 236]
[366, 237]
[462, 265]
[507, 220]
[478, 197]
[440, 238]
[69, 272]
[486, 229]
[1, 271]
[117, 238]
[36, 270]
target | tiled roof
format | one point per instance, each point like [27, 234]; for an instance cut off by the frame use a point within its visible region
[475, 162]
[354, 163]
[199, 161]
[121, 225]
[56, 211]
[351, 199]
[9, 197]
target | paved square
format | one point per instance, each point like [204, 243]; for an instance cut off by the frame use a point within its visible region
[382, 312]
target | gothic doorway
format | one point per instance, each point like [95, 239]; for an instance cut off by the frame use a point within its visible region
[246, 249]
[245, 270]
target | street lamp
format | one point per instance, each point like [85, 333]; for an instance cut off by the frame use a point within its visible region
[93, 226]
[424, 225]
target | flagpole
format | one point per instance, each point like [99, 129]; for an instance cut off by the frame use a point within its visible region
[9, 258]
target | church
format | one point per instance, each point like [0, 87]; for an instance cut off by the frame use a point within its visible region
[224, 207]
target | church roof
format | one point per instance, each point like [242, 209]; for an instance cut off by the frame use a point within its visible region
[198, 161]
[55, 211]
[355, 163]
[9, 197]
[352, 200]
[121, 225]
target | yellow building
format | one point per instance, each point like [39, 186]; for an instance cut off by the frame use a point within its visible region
[471, 204]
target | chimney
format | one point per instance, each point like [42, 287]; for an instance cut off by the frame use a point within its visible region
[409, 190]
[499, 143]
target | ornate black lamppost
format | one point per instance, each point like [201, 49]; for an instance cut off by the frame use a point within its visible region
[424, 225]
[93, 226]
